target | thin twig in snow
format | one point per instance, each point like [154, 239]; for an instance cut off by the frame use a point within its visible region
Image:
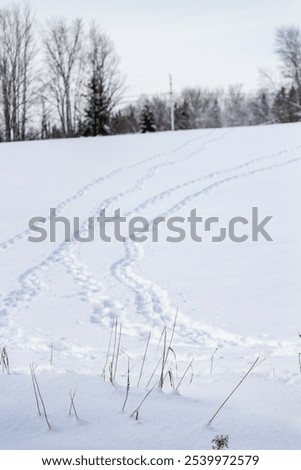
[72, 405]
[143, 360]
[225, 401]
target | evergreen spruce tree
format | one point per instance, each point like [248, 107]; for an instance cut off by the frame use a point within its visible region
[125, 121]
[281, 106]
[96, 112]
[293, 109]
[147, 120]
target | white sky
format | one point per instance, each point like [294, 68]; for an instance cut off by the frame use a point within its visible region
[201, 42]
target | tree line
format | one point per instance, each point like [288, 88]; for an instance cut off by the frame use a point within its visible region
[63, 80]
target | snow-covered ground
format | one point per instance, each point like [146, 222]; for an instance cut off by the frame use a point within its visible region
[243, 299]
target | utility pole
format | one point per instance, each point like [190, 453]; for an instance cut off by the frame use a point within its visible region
[172, 114]
[297, 88]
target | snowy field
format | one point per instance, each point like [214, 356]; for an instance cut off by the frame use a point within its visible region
[238, 301]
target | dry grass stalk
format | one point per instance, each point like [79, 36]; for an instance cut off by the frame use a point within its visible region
[241, 381]
[167, 349]
[103, 375]
[32, 369]
[184, 375]
[175, 359]
[39, 395]
[127, 386]
[160, 340]
[111, 365]
[164, 359]
[212, 358]
[4, 361]
[117, 352]
[171, 380]
[173, 331]
[72, 405]
[135, 413]
[154, 371]
[144, 358]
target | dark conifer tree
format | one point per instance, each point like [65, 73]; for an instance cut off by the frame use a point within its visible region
[96, 112]
[281, 106]
[125, 121]
[147, 120]
[293, 110]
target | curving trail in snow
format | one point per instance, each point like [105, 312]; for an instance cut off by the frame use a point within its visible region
[151, 300]
[97, 182]
[152, 303]
[30, 279]
[236, 302]
[30, 283]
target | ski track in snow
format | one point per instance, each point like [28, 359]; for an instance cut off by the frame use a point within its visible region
[151, 301]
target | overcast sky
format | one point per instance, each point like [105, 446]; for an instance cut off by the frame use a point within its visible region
[200, 42]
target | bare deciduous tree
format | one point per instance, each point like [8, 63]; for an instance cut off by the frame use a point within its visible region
[236, 111]
[64, 63]
[16, 68]
[288, 48]
[202, 106]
